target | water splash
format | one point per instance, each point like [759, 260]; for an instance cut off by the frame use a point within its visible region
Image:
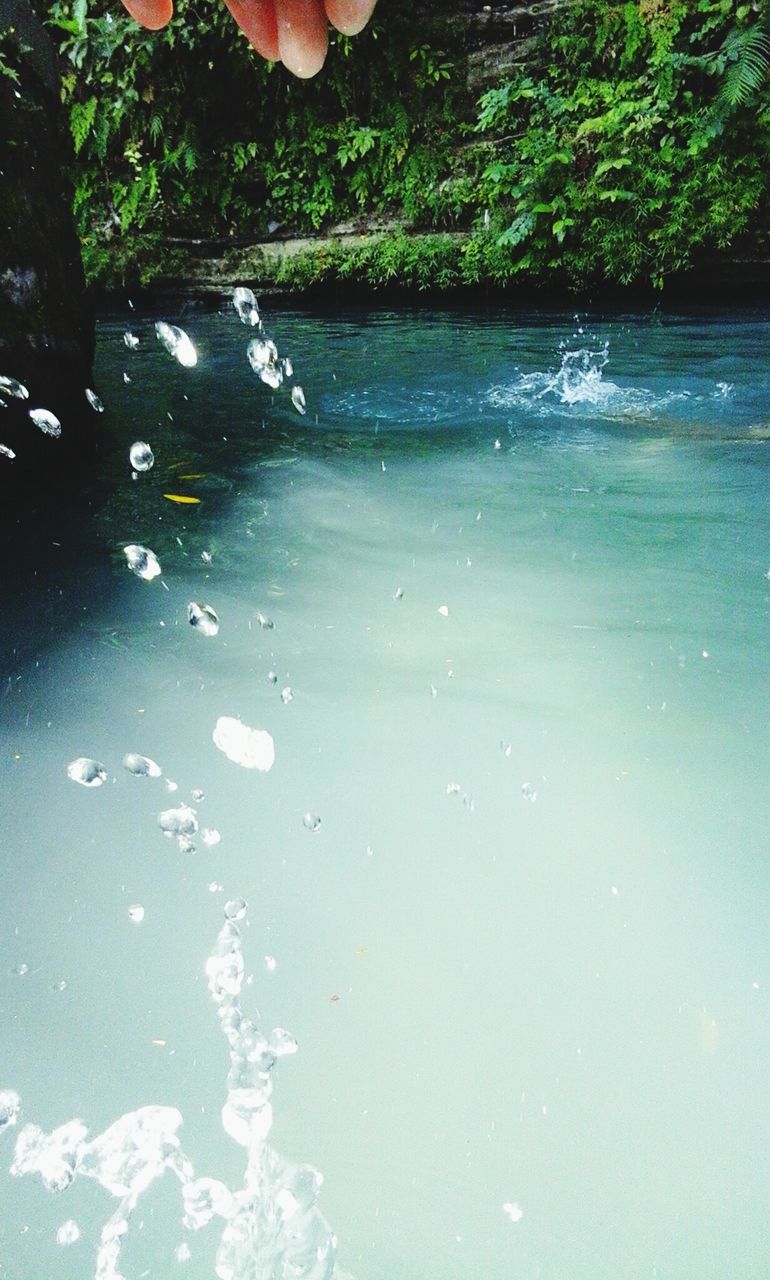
[272, 1225]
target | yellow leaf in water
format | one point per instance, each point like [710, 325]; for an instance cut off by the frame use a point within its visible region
[180, 497]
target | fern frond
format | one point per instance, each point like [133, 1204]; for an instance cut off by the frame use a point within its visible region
[749, 63]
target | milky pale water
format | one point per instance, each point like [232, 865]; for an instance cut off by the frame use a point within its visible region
[517, 569]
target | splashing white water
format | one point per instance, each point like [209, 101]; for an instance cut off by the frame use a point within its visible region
[272, 1225]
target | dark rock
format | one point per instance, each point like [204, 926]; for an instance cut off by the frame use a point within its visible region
[46, 324]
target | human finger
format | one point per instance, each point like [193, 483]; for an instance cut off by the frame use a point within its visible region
[153, 14]
[257, 20]
[349, 16]
[302, 35]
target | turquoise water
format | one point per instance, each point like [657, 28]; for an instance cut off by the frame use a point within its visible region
[517, 568]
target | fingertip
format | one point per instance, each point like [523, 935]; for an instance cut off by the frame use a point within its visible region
[302, 36]
[349, 16]
[152, 14]
[256, 19]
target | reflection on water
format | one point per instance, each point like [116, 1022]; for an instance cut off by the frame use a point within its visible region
[501, 828]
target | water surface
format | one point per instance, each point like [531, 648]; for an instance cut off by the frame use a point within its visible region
[517, 568]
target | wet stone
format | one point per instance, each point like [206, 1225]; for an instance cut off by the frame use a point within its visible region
[88, 772]
[143, 562]
[141, 456]
[48, 423]
[203, 618]
[177, 343]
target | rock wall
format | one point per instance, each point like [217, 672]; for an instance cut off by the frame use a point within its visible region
[46, 325]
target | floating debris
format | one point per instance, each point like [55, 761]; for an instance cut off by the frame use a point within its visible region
[250, 748]
[177, 343]
[141, 561]
[141, 766]
[10, 387]
[235, 909]
[246, 305]
[131, 340]
[48, 422]
[5, 452]
[141, 456]
[311, 822]
[136, 913]
[10, 1106]
[89, 773]
[298, 399]
[203, 618]
[93, 399]
[68, 1232]
[178, 822]
[287, 694]
[181, 498]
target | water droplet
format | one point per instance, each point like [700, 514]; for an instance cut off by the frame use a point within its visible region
[246, 305]
[136, 913]
[20, 969]
[498, 444]
[141, 766]
[93, 399]
[89, 773]
[272, 375]
[178, 822]
[265, 623]
[444, 610]
[48, 423]
[298, 399]
[262, 353]
[141, 456]
[210, 836]
[171, 785]
[453, 788]
[131, 340]
[177, 343]
[529, 792]
[182, 1253]
[272, 678]
[282, 1042]
[311, 822]
[5, 452]
[126, 379]
[197, 795]
[185, 844]
[143, 562]
[270, 963]
[13, 388]
[399, 595]
[10, 1105]
[513, 1211]
[203, 618]
[250, 748]
[206, 557]
[235, 909]
[288, 367]
[215, 887]
[286, 694]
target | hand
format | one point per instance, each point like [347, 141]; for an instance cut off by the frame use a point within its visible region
[293, 32]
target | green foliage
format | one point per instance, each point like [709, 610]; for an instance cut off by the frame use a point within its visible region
[188, 132]
[638, 136]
